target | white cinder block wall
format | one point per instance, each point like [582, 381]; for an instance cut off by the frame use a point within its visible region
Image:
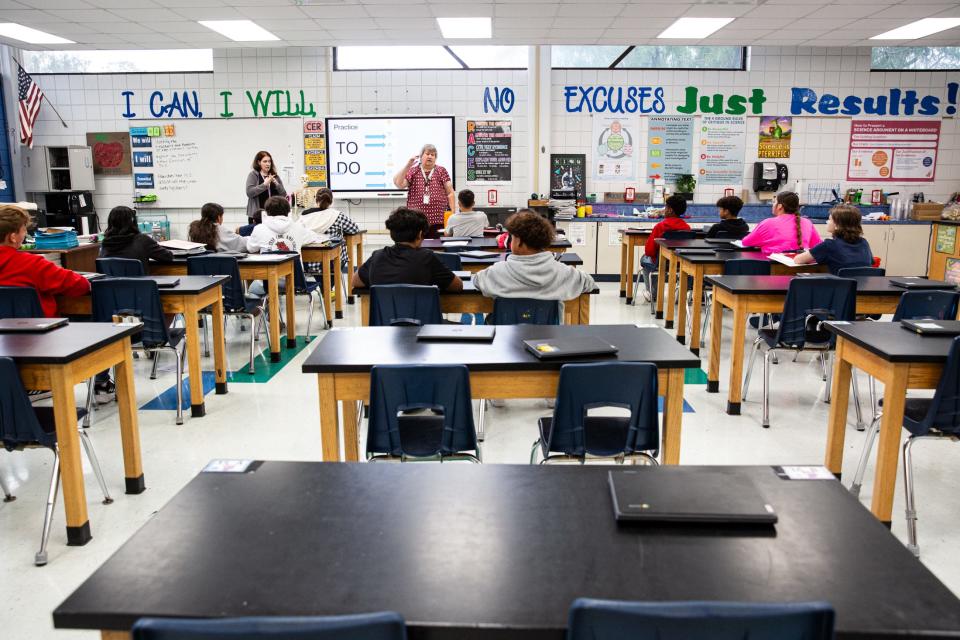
[819, 154]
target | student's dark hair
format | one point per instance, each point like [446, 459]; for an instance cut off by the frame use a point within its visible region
[677, 204]
[846, 220]
[121, 221]
[205, 229]
[466, 198]
[257, 158]
[406, 224]
[532, 229]
[791, 205]
[324, 198]
[733, 204]
[276, 206]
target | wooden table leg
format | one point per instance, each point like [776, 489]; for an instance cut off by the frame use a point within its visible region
[736, 358]
[630, 274]
[681, 304]
[219, 346]
[129, 425]
[273, 297]
[192, 317]
[350, 265]
[584, 308]
[888, 448]
[364, 310]
[696, 308]
[350, 442]
[115, 635]
[672, 417]
[661, 282]
[672, 263]
[71, 469]
[325, 290]
[839, 402]
[716, 331]
[291, 313]
[329, 422]
[338, 286]
[623, 268]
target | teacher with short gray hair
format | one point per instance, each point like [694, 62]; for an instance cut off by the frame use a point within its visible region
[429, 188]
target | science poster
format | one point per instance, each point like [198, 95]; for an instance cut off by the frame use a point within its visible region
[722, 146]
[669, 147]
[614, 146]
[568, 176]
[776, 132]
[489, 151]
[893, 150]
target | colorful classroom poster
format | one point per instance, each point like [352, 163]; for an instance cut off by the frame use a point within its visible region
[568, 176]
[946, 239]
[722, 146]
[893, 150]
[775, 135]
[315, 153]
[490, 151]
[669, 147]
[951, 271]
[614, 140]
[111, 153]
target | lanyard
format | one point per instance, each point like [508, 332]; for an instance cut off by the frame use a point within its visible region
[427, 176]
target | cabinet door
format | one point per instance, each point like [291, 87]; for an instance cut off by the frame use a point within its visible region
[877, 236]
[608, 248]
[35, 178]
[81, 169]
[583, 236]
[907, 249]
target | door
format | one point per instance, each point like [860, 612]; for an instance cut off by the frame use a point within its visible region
[81, 169]
[877, 236]
[907, 249]
[608, 248]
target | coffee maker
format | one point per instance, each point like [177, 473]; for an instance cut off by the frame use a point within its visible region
[768, 176]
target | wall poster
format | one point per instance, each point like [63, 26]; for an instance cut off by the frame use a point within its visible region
[568, 176]
[722, 147]
[946, 239]
[111, 153]
[614, 140]
[669, 147]
[951, 271]
[775, 135]
[893, 150]
[489, 151]
[315, 153]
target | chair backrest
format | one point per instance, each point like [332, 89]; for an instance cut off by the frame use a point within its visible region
[525, 311]
[20, 302]
[214, 265]
[746, 267]
[18, 422]
[616, 620]
[367, 626]
[299, 277]
[626, 385]
[131, 296]
[855, 272]
[450, 260]
[120, 267]
[404, 304]
[396, 388]
[725, 235]
[814, 299]
[679, 234]
[944, 411]
[941, 305]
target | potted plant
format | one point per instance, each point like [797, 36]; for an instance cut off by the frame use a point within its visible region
[686, 183]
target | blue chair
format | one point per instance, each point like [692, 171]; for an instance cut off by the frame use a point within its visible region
[525, 311]
[404, 305]
[20, 302]
[140, 298]
[618, 620]
[451, 260]
[303, 287]
[809, 301]
[421, 412]
[23, 426]
[120, 267]
[573, 434]
[859, 272]
[235, 301]
[366, 626]
[650, 271]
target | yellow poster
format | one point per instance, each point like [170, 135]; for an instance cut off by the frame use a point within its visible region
[314, 143]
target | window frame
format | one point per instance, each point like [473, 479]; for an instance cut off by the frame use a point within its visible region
[744, 56]
[111, 73]
[902, 70]
[452, 54]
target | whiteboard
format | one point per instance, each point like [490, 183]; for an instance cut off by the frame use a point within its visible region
[207, 160]
[365, 152]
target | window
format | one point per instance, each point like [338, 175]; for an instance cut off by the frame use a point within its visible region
[132, 61]
[915, 58]
[648, 57]
[429, 57]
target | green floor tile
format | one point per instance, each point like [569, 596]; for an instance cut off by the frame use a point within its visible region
[264, 369]
[694, 376]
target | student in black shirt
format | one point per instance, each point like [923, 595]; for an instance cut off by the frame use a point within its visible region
[729, 224]
[405, 262]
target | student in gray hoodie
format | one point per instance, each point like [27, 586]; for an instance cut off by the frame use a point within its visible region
[532, 270]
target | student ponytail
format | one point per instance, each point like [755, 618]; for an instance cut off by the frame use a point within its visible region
[791, 206]
[204, 230]
[796, 218]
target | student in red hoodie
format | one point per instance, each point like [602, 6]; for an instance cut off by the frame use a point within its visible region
[21, 269]
[675, 207]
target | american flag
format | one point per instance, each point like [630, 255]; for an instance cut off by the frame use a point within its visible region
[30, 99]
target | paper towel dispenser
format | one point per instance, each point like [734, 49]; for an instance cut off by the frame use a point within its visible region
[769, 176]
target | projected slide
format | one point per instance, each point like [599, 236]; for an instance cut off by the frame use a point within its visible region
[365, 152]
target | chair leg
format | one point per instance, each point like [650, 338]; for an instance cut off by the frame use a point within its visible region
[481, 432]
[95, 463]
[828, 362]
[865, 455]
[823, 366]
[753, 358]
[310, 306]
[873, 396]
[253, 335]
[766, 388]
[206, 337]
[179, 356]
[707, 307]
[7, 496]
[156, 361]
[856, 400]
[533, 452]
[41, 558]
[89, 404]
[911, 507]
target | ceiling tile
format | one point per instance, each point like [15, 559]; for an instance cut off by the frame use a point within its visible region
[210, 13]
[525, 10]
[134, 4]
[333, 12]
[667, 9]
[590, 10]
[276, 13]
[146, 15]
[479, 10]
[581, 23]
[399, 11]
[86, 15]
[913, 11]
[56, 4]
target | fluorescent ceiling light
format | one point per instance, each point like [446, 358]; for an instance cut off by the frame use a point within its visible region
[694, 28]
[32, 36]
[465, 27]
[239, 30]
[919, 29]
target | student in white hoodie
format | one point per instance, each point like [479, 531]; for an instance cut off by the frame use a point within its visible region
[278, 232]
[532, 270]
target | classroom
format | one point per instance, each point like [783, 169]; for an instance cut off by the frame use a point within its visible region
[506, 319]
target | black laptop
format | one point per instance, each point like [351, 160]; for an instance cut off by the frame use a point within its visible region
[31, 325]
[932, 327]
[572, 347]
[921, 283]
[662, 495]
[165, 282]
[457, 332]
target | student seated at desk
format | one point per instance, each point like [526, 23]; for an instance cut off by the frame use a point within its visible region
[325, 219]
[847, 247]
[674, 207]
[467, 222]
[406, 262]
[786, 230]
[730, 225]
[22, 269]
[532, 270]
[123, 239]
[278, 232]
[210, 231]
[246, 229]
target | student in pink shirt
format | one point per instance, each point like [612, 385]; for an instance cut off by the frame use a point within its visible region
[786, 230]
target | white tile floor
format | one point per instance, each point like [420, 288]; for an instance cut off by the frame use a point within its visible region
[279, 420]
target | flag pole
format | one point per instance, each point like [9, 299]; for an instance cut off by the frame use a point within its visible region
[48, 99]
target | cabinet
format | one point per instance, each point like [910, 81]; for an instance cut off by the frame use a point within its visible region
[575, 230]
[48, 169]
[902, 248]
